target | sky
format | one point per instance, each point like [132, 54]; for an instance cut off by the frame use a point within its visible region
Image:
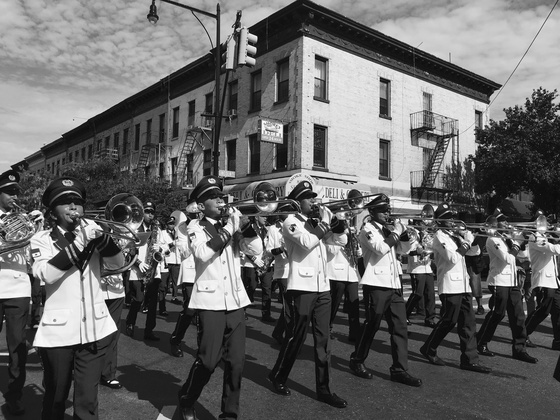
[64, 61]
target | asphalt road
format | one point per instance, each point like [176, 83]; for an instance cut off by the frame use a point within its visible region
[151, 379]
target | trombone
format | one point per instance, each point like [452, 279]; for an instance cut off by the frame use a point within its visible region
[264, 203]
[348, 208]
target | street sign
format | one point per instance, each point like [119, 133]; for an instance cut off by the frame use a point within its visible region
[226, 174]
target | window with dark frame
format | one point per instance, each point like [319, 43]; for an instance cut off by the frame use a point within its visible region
[191, 111]
[384, 98]
[319, 146]
[384, 158]
[149, 131]
[231, 154]
[125, 141]
[162, 128]
[255, 104]
[116, 139]
[320, 78]
[254, 154]
[478, 120]
[282, 151]
[175, 132]
[208, 107]
[233, 89]
[137, 137]
[282, 81]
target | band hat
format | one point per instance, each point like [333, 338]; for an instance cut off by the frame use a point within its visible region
[443, 211]
[61, 187]
[500, 217]
[9, 179]
[171, 220]
[207, 186]
[379, 204]
[302, 191]
[150, 205]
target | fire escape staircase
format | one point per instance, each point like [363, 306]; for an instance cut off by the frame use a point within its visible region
[194, 135]
[145, 154]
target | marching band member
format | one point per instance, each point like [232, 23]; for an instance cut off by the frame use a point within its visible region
[76, 327]
[187, 274]
[455, 294]
[15, 293]
[305, 240]
[219, 297]
[141, 288]
[170, 265]
[544, 279]
[342, 272]
[506, 294]
[382, 286]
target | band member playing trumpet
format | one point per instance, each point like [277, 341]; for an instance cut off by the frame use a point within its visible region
[76, 327]
[506, 293]
[383, 292]
[219, 297]
[454, 292]
[306, 239]
[15, 292]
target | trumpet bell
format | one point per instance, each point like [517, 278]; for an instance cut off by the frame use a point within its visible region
[125, 208]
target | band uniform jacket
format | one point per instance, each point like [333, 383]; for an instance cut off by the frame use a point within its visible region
[380, 259]
[187, 270]
[543, 264]
[338, 264]
[75, 311]
[142, 252]
[14, 269]
[275, 245]
[452, 277]
[307, 255]
[502, 271]
[218, 285]
[418, 264]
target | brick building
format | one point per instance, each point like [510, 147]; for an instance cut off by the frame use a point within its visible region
[330, 100]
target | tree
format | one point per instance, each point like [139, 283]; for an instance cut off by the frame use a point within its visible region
[521, 152]
[461, 180]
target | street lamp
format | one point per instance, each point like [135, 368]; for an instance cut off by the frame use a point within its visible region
[153, 18]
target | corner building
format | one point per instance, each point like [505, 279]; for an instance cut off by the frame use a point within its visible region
[330, 100]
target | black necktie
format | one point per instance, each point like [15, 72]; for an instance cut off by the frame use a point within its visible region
[69, 236]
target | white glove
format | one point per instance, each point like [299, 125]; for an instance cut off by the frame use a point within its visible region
[258, 262]
[87, 233]
[234, 221]
[468, 237]
[399, 228]
[325, 214]
[36, 216]
[538, 238]
[143, 267]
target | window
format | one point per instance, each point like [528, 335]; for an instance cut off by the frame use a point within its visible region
[77, 155]
[231, 154]
[162, 170]
[319, 147]
[174, 162]
[208, 156]
[384, 98]
[233, 88]
[254, 154]
[149, 131]
[427, 106]
[255, 104]
[107, 141]
[137, 137]
[192, 108]
[175, 122]
[83, 154]
[116, 140]
[125, 141]
[384, 154]
[190, 175]
[320, 78]
[282, 151]
[162, 128]
[208, 109]
[478, 120]
[282, 81]
[70, 157]
[90, 151]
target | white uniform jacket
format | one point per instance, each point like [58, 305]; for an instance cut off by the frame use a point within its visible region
[113, 287]
[419, 255]
[275, 245]
[75, 310]
[543, 264]
[338, 264]
[452, 276]
[142, 252]
[307, 254]
[187, 271]
[14, 269]
[503, 271]
[380, 259]
[218, 285]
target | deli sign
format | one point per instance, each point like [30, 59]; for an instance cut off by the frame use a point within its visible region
[270, 131]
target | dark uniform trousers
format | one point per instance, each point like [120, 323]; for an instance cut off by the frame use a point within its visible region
[506, 299]
[185, 317]
[287, 309]
[549, 303]
[338, 288]
[221, 335]
[424, 289]
[456, 309]
[389, 303]
[84, 363]
[15, 310]
[149, 294]
[115, 307]
[314, 307]
[251, 280]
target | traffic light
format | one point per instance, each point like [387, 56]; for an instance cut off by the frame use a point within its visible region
[228, 56]
[247, 49]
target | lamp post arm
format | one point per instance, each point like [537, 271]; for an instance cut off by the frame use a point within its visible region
[192, 9]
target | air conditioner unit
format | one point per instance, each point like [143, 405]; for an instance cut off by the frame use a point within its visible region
[232, 112]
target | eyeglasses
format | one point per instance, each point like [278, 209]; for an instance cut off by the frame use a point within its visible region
[69, 199]
[148, 211]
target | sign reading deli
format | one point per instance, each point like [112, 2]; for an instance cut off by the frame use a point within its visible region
[270, 131]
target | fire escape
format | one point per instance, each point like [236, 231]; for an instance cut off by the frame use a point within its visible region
[184, 174]
[428, 185]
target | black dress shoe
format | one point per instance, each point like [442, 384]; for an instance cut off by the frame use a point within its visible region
[484, 351]
[151, 336]
[430, 324]
[176, 350]
[15, 407]
[129, 330]
[163, 313]
[405, 378]
[434, 360]
[268, 319]
[188, 413]
[530, 344]
[333, 400]
[279, 387]
[360, 370]
[113, 383]
[524, 357]
[408, 322]
[475, 367]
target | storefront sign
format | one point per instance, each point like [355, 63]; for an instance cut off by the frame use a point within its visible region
[271, 131]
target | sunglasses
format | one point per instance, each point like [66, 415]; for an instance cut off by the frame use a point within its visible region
[69, 199]
[149, 211]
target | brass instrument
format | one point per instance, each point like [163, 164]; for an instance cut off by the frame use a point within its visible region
[348, 208]
[16, 230]
[153, 257]
[264, 203]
